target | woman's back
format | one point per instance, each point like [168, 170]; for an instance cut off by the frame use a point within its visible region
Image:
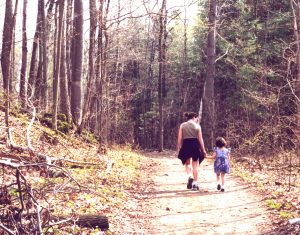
[190, 129]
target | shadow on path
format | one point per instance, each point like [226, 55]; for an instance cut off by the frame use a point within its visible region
[177, 210]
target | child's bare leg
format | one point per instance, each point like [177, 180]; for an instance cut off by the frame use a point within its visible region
[223, 179]
[218, 178]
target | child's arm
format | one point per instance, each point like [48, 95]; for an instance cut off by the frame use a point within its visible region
[229, 156]
[213, 156]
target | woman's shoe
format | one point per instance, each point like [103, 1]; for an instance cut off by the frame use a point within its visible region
[189, 183]
[219, 187]
[195, 187]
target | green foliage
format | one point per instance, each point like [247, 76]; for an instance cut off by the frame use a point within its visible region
[273, 204]
[285, 215]
[62, 124]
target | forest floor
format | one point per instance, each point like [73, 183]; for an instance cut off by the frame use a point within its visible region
[140, 192]
[166, 206]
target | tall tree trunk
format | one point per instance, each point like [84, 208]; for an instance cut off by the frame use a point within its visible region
[32, 69]
[9, 24]
[296, 25]
[68, 45]
[12, 54]
[7, 45]
[93, 25]
[23, 90]
[208, 119]
[64, 89]
[57, 69]
[104, 73]
[161, 72]
[99, 79]
[44, 89]
[77, 48]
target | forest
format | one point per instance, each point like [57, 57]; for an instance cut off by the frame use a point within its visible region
[121, 74]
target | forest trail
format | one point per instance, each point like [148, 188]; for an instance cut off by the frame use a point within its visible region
[177, 210]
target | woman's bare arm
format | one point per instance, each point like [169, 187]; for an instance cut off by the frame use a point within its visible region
[179, 139]
[200, 138]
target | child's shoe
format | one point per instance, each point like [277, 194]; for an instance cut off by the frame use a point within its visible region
[219, 187]
[222, 190]
[189, 183]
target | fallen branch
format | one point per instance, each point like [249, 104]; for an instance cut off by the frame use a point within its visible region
[6, 229]
[89, 220]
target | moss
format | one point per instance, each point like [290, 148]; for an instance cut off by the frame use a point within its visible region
[89, 137]
[274, 205]
[64, 127]
[46, 121]
[285, 215]
[62, 117]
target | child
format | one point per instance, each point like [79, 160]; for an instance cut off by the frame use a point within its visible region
[221, 165]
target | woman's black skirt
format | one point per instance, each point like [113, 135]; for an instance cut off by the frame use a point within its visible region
[190, 149]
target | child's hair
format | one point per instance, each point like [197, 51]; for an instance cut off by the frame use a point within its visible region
[220, 142]
[190, 115]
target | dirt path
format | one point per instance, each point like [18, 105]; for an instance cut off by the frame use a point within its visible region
[177, 210]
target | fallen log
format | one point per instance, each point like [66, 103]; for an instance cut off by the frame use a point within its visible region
[89, 221]
[93, 221]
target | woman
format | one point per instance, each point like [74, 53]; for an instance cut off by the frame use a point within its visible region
[190, 147]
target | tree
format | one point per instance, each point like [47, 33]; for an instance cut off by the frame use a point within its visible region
[76, 60]
[162, 71]
[23, 85]
[295, 5]
[87, 99]
[56, 80]
[7, 45]
[208, 119]
[64, 85]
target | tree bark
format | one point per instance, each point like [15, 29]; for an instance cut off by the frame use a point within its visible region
[68, 45]
[295, 5]
[99, 78]
[57, 69]
[87, 100]
[64, 88]
[32, 69]
[7, 44]
[44, 89]
[23, 86]
[208, 119]
[161, 72]
[77, 48]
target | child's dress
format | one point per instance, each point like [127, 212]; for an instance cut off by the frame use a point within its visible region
[221, 164]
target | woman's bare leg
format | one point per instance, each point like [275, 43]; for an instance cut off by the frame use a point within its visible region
[188, 167]
[195, 165]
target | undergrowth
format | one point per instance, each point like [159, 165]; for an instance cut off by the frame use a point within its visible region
[81, 181]
[275, 181]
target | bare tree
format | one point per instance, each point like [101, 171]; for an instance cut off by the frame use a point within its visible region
[76, 58]
[162, 71]
[57, 69]
[296, 25]
[208, 119]
[64, 88]
[23, 90]
[7, 44]
[87, 99]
